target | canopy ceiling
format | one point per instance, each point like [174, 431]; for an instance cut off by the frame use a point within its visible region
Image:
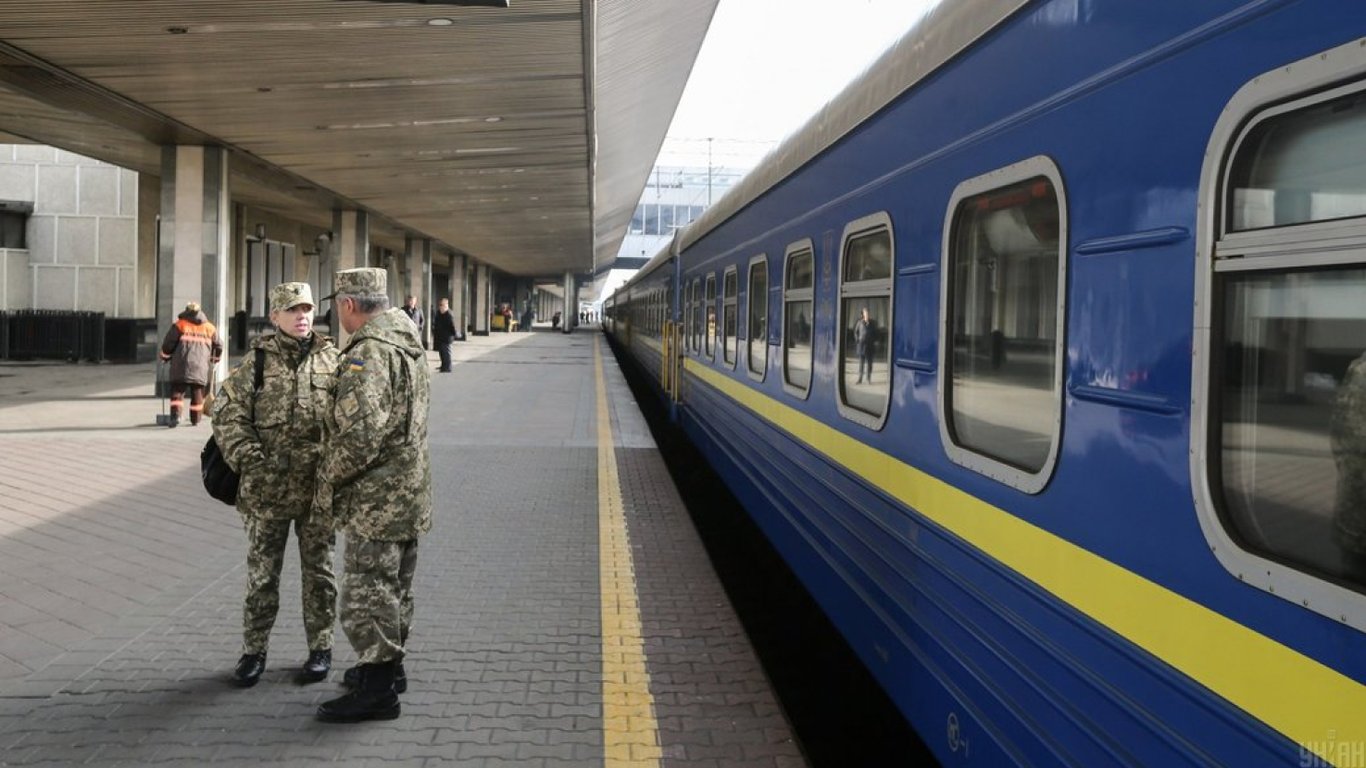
[522, 135]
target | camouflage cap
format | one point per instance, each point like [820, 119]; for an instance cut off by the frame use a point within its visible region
[362, 281]
[287, 295]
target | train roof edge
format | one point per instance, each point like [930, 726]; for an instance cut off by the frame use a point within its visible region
[945, 31]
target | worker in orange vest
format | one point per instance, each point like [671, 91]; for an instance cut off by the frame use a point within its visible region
[192, 347]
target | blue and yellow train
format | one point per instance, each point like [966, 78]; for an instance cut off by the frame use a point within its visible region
[1038, 354]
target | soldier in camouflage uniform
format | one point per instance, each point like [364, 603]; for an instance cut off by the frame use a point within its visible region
[375, 481]
[1348, 435]
[276, 453]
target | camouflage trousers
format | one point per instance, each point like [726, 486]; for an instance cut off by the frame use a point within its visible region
[267, 540]
[377, 597]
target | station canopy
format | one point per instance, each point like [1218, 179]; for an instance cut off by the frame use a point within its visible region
[520, 132]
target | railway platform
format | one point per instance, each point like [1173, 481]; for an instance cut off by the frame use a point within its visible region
[566, 612]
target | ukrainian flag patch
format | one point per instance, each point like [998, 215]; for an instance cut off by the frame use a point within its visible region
[355, 364]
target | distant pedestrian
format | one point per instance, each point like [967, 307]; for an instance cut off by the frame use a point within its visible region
[507, 318]
[863, 343]
[555, 320]
[272, 439]
[375, 480]
[414, 313]
[443, 333]
[528, 317]
[193, 348]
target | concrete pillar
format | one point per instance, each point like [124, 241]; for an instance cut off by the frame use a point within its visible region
[192, 259]
[459, 304]
[349, 249]
[567, 322]
[483, 299]
[417, 261]
[350, 246]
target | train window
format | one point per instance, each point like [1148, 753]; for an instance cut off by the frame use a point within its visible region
[1281, 400]
[1289, 168]
[697, 315]
[1001, 387]
[729, 316]
[757, 357]
[798, 318]
[687, 316]
[865, 338]
[711, 316]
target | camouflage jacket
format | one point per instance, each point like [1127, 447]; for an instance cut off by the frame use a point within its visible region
[376, 474]
[277, 456]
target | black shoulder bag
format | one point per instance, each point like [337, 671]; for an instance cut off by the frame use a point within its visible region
[219, 479]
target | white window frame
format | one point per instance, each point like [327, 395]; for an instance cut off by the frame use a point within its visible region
[862, 227]
[803, 294]
[721, 318]
[749, 315]
[1285, 89]
[1007, 474]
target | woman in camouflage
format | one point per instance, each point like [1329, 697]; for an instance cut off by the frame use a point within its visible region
[272, 439]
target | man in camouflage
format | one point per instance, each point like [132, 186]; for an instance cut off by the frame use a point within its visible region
[272, 439]
[375, 479]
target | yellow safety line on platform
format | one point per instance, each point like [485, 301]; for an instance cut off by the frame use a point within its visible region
[630, 733]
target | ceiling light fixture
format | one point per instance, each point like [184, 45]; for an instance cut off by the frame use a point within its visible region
[440, 21]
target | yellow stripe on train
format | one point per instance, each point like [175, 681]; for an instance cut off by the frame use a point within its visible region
[1312, 704]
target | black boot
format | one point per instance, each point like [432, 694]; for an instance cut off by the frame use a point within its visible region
[249, 669]
[375, 699]
[317, 666]
[352, 678]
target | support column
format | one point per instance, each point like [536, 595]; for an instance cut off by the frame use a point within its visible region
[459, 304]
[192, 258]
[482, 300]
[351, 246]
[349, 249]
[417, 262]
[570, 305]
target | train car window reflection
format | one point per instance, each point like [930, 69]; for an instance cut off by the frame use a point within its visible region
[798, 317]
[729, 317]
[1003, 296]
[866, 309]
[757, 354]
[697, 316]
[1292, 168]
[711, 316]
[1291, 428]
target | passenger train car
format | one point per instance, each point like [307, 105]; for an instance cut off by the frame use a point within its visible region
[1038, 354]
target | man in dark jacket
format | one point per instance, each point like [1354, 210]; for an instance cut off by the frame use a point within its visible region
[414, 313]
[443, 333]
[193, 348]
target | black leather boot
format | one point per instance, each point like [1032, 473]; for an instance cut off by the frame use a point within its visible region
[374, 699]
[317, 666]
[249, 669]
[352, 678]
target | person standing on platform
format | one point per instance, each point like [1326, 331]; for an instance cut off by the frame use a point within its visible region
[271, 438]
[863, 343]
[375, 481]
[414, 313]
[443, 333]
[193, 348]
